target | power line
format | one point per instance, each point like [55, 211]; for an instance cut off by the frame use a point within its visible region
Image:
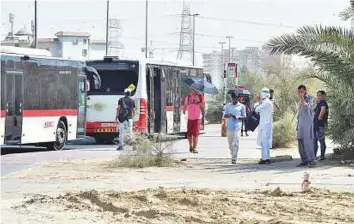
[239, 39]
[222, 37]
[247, 22]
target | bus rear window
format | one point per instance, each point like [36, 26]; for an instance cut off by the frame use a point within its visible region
[113, 78]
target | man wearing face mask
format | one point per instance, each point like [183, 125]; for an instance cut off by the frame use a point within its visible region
[265, 110]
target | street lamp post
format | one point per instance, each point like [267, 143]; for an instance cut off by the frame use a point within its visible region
[229, 37]
[35, 25]
[223, 68]
[107, 27]
[193, 54]
[146, 28]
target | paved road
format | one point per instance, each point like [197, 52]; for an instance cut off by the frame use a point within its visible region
[211, 146]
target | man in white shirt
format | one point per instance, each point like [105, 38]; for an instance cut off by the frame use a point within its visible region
[265, 110]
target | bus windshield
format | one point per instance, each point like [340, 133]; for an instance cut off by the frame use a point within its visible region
[113, 77]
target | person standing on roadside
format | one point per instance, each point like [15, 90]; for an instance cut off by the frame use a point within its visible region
[194, 104]
[320, 122]
[235, 112]
[265, 110]
[124, 116]
[246, 102]
[305, 131]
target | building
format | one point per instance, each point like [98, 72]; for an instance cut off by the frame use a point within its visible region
[97, 49]
[212, 64]
[22, 38]
[70, 45]
[215, 62]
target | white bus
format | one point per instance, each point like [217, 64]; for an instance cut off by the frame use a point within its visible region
[42, 98]
[159, 95]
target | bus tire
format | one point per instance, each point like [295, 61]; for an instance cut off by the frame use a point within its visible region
[60, 138]
[101, 140]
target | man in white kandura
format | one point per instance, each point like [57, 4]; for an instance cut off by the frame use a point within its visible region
[265, 110]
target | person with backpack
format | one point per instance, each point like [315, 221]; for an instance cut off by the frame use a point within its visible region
[194, 104]
[124, 116]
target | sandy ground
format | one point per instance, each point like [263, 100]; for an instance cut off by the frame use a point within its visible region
[84, 191]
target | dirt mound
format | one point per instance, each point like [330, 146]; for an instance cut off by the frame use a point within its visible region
[191, 206]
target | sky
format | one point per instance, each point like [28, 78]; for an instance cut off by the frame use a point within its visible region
[250, 22]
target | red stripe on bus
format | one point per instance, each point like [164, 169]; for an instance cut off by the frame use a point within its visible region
[169, 108]
[49, 113]
[3, 113]
[101, 124]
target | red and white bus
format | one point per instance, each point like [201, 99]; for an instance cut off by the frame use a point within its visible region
[159, 95]
[42, 98]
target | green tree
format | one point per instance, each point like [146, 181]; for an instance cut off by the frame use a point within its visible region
[331, 49]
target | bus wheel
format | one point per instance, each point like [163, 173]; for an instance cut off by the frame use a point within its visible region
[60, 137]
[100, 140]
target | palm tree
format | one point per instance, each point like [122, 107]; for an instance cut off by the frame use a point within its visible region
[348, 13]
[331, 49]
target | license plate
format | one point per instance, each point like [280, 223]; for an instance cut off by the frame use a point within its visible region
[101, 130]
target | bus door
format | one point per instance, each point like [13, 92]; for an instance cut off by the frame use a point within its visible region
[154, 84]
[150, 90]
[13, 100]
[82, 100]
[157, 79]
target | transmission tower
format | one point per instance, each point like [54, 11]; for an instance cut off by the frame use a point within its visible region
[185, 51]
[114, 34]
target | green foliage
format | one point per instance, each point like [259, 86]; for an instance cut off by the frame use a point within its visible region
[284, 131]
[214, 111]
[343, 153]
[347, 14]
[284, 81]
[331, 49]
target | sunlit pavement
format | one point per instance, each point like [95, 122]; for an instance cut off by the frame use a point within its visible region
[211, 145]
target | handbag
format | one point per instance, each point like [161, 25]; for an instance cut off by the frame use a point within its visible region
[252, 121]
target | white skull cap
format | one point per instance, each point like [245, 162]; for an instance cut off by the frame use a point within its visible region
[265, 93]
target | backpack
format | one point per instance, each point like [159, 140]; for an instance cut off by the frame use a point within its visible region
[123, 112]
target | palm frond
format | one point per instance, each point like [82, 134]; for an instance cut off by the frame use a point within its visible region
[347, 14]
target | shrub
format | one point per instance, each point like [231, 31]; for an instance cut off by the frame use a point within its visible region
[343, 153]
[284, 131]
[214, 113]
[214, 110]
[147, 151]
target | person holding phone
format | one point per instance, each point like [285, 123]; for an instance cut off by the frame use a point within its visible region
[235, 112]
[305, 129]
